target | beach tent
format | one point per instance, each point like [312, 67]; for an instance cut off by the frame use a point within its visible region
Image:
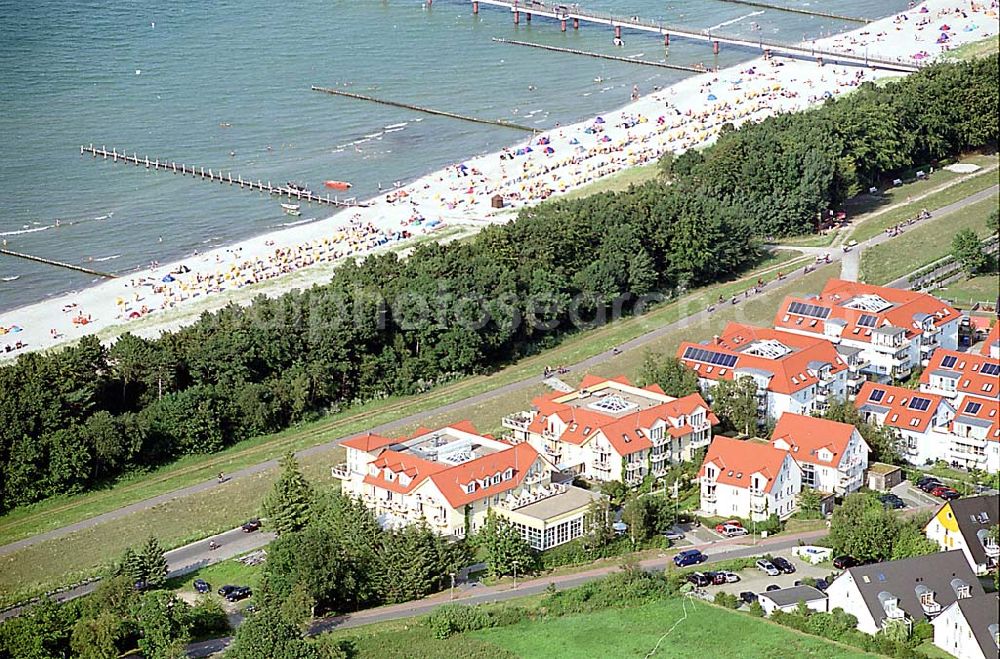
[549, 149]
[574, 141]
[712, 97]
[167, 278]
[599, 120]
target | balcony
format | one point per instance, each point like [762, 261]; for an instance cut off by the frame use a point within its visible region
[633, 466]
[822, 394]
[340, 471]
[992, 550]
[758, 502]
[827, 378]
[659, 457]
[708, 497]
[519, 421]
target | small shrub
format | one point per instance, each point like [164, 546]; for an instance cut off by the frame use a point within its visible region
[756, 609]
[455, 619]
[728, 600]
[208, 619]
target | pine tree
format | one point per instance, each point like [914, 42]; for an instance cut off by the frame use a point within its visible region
[288, 507]
[506, 551]
[154, 564]
[131, 566]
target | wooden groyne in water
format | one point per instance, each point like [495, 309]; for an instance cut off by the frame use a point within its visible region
[616, 58]
[799, 10]
[59, 264]
[417, 108]
[219, 177]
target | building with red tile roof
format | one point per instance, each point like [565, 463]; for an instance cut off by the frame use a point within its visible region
[955, 375]
[610, 429]
[975, 435]
[748, 478]
[450, 478]
[794, 373]
[833, 456]
[895, 330]
[921, 421]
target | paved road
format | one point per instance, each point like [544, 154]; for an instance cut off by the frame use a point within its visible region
[718, 551]
[180, 561]
[835, 255]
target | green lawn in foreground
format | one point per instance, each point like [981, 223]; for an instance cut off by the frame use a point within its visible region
[967, 292]
[675, 627]
[922, 244]
[975, 49]
[230, 572]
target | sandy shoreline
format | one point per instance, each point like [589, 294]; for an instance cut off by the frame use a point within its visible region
[686, 115]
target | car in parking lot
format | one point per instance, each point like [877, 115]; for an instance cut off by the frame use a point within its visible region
[748, 597]
[729, 577]
[767, 567]
[945, 492]
[844, 562]
[673, 536]
[225, 590]
[689, 557]
[239, 593]
[928, 484]
[729, 530]
[924, 480]
[892, 501]
[783, 564]
[822, 584]
[251, 525]
[771, 587]
[202, 586]
[699, 579]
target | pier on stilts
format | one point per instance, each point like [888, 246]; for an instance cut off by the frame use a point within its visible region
[218, 177]
[59, 264]
[577, 15]
[417, 108]
[616, 58]
[799, 10]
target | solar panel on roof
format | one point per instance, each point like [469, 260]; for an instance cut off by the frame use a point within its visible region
[972, 408]
[876, 396]
[811, 310]
[867, 320]
[710, 357]
[990, 369]
[920, 404]
[949, 361]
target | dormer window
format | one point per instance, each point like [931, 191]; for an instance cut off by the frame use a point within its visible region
[496, 479]
[508, 474]
[962, 590]
[470, 487]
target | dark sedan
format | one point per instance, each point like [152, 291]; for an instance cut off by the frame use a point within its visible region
[783, 564]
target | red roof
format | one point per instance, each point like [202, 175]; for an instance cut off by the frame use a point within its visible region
[806, 435]
[451, 481]
[902, 411]
[737, 460]
[984, 410]
[906, 310]
[993, 338]
[791, 372]
[627, 434]
[970, 365]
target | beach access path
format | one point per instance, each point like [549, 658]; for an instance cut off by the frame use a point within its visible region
[836, 255]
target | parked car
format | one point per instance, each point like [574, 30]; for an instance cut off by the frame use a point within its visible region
[822, 584]
[783, 564]
[892, 501]
[930, 484]
[239, 593]
[689, 557]
[731, 530]
[202, 586]
[731, 577]
[699, 579]
[748, 597]
[721, 527]
[767, 567]
[673, 536]
[923, 480]
[717, 578]
[251, 526]
[771, 587]
[945, 492]
[225, 590]
[844, 562]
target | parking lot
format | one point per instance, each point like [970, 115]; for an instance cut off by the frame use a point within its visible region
[756, 581]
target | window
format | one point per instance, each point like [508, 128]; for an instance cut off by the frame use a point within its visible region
[470, 488]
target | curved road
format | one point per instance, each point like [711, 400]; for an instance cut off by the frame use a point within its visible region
[835, 254]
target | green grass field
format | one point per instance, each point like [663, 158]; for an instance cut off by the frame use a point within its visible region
[967, 184]
[923, 244]
[975, 49]
[230, 572]
[669, 628]
[968, 291]
[614, 183]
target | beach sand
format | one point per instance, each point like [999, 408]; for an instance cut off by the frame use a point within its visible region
[687, 115]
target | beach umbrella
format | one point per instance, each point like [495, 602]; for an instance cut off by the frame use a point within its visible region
[549, 149]
[605, 139]
[599, 120]
[945, 27]
[711, 97]
[167, 279]
[528, 149]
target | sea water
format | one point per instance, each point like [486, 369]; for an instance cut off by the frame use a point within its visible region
[226, 85]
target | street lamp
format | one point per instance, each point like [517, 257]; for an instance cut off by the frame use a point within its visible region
[452, 575]
[515, 574]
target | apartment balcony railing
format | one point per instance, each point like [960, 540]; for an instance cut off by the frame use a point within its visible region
[519, 421]
[708, 497]
[340, 471]
[992, 550]
[633, 466]
[659, 457]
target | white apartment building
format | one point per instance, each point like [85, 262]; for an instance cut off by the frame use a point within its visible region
[920, 421]
[833, 456]
[451, 477]
[749, 479]
[895, 330]
[610, 429]
[793, 373]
